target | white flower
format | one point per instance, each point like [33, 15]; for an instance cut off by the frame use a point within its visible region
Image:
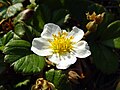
[61, 47]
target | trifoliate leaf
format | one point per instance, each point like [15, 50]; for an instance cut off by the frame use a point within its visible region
[104, 58]
[56, 77]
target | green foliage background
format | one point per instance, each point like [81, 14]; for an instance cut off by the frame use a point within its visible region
[20, 67]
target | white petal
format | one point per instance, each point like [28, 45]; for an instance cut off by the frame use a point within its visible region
[54, 58]
[50, 29]
[61, 66]
[76, 33]
[40, 47]
[64, 31]
[66, 61]
[82, 49]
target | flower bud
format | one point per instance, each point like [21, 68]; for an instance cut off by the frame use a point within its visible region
[91, 17]
[92, 26]
[97, 18]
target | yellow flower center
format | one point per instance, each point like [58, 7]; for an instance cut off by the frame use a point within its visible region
[61, 43]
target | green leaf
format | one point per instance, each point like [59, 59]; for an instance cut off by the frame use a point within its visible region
[104, 58]
[25, 16]
[19, 30]
[25, 82]
[12, 58]
[17, 53]
[18, 43]
[50, 75]
[102, 27]
[56, 77]
[42, 15]
[17, 1]
[1, 48]
[12, 10]
[29, 64]
[7, 37]
[25, 31]
[114, 43]
[112, 31]
[15, 49]
[38, 19]
[59, 16]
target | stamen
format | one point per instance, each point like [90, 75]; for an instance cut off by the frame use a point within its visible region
[61, 43]
[71, 37]
[59, 33]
